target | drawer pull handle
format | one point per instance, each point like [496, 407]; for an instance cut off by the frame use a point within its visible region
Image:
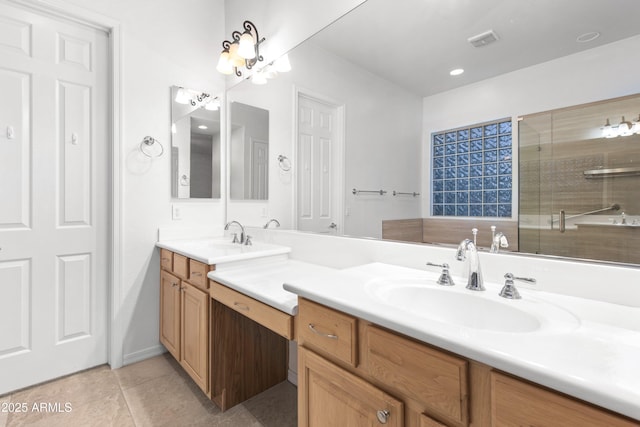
[195, 273]
[241, 306]
[313, 329]
[166, 259]
[383, 416]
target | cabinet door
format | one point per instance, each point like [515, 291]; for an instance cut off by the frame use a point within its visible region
[330, 396]
[195, 333]
[518, 403]
[170, 313]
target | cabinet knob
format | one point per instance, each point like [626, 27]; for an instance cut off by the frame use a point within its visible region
[383, 416]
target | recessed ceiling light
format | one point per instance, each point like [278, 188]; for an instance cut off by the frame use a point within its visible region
[456, 72]
[203, 127]
[587, 37]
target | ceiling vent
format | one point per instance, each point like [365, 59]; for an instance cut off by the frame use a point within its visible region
[483, 39]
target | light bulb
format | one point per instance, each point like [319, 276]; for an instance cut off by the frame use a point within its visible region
[624, 128]
[235, 59]
[636, 126]
[258, 78]
[246, 47]
[182, 97]
[282, 64]
[212, 105]
[608, 131]
[224, 64]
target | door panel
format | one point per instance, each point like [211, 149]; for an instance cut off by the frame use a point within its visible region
[317, 175]
[54, 145]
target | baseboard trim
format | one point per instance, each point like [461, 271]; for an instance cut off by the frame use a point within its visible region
[140, 355]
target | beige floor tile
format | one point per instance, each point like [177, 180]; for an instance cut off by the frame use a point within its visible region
[141, 372]
[4, 414]
[276, 407]
[76, 390]
[168, 400]
[107, 411]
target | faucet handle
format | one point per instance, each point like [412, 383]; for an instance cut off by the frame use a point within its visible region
[235, 238]
[445, 278]
[509, 289]
[247, 240]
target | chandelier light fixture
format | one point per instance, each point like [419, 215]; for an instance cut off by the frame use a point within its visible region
[243, 51]
[197, 99]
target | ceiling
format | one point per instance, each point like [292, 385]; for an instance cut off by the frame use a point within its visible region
[415, 43]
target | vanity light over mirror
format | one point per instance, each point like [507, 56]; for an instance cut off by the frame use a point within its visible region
[357, 119]
[195, 144]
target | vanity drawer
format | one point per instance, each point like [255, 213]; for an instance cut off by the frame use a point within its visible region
[278, 321]
[433, 378]
[516, 402]
[166, 259]
[328, 330]
[198, 274]
[180, 266]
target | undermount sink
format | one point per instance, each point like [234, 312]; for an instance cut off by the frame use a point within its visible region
[471, 309]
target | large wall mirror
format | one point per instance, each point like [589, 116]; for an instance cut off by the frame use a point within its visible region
[248, 152]
[195, 144]
[356, 113]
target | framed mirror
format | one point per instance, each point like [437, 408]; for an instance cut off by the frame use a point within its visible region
[195, 144]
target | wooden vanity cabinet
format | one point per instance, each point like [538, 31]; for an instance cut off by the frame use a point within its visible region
[184, 314]
[352, 368]
[331, 396]
[517, 402]
[249, 351]
[417, 384]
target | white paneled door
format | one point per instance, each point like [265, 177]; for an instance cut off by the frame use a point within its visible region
[319, 170]
[54, 158]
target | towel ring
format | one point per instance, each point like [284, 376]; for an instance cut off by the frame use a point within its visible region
[151, 147]
[284, 163]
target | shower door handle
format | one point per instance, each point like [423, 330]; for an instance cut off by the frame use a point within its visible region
[562, 221]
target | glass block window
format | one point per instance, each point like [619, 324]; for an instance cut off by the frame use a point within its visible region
[472, 171]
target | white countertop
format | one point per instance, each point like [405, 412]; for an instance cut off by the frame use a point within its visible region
[219, 250]
[596, 358]
[264, 281]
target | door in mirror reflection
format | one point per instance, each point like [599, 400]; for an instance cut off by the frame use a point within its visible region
[249, 152]
[195, 145]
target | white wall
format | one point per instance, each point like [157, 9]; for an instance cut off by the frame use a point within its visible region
[382, 136]
[164, 43]
[597, 74]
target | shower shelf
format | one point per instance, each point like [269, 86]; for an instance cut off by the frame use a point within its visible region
[603, 173]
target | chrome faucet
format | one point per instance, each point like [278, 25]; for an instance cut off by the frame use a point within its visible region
[242, 235]
[499, 241]
[474, 282]
[273, 220]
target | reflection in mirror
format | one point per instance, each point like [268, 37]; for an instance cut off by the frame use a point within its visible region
[393, 100]
[249, 152]
[579, 181]
[195, 145]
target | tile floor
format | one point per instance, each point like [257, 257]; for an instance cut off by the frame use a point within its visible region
[154, 392]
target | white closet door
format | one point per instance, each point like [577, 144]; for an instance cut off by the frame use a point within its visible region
[54, 197]
[317, 149]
